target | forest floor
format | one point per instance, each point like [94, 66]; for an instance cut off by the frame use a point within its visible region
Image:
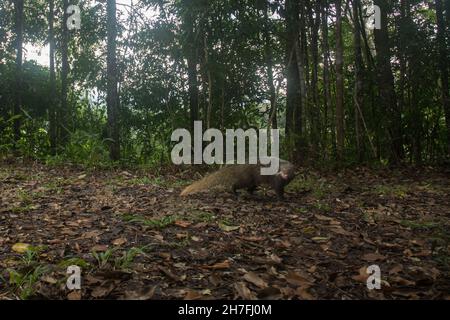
[134, 237]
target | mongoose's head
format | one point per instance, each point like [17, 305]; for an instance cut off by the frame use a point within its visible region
[287, 172]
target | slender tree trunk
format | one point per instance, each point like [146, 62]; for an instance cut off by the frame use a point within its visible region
[402, 54]
[222, 108]
[52, 108]
[301, 51]
[303, 110]
[292, 73]
[192, 60]
[443, 67]
[370, 79]
[387, 95]
[210, 80]
[326, 72]
[315, 108]
[359, 80]
[63, 111]
[18, 6]
[112, 97]
[339, 82]
[447, 18]
[269, 65]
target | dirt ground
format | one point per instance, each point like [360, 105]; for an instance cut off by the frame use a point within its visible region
[134, 237]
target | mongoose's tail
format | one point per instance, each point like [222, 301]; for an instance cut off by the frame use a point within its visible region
[210, 181]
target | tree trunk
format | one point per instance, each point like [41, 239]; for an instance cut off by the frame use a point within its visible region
[292, 73]
[303, 74]
[403, 48]
[359, 80]
[387, 95]
[315, 109]
[269, 65]
[339, 83]
[112, 97]
[52, 107]
[326, 73]
[191, 55]
[18, 6]
[63, 111]
[443, 67]
[210, 86]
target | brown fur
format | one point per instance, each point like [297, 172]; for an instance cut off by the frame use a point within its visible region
[245, 176]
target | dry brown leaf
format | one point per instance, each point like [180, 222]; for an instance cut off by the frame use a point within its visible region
[302, 293]
[192, 295]
[362, 276]
[396, 269]
[145, 294]
[119, 241]
[371, 257]
[102, 291]
[270, 293]
[182, 223]
[255, 279]
[74, 295]
[100, 248]
[299, 280]
[243, 291]
[220, 265]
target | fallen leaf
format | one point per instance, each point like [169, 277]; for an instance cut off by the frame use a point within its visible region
[182, 223]
[227, 228]
[275, 258]
[119, 241]
[220, 265]
[144, 294]
[322, 218]
[74, 295]
[192, 295]
[252, 238]
[255, 279]
[243, 291]
[100, 248]
[170, 274]
[320, 239]
[371, 257]
[91, 234]
[269, 293]
[21, 247]
[340, 230]
[362, 276]
[302, 292]
[49, 279]
[396, 269]
[300, 280]
[102, 291]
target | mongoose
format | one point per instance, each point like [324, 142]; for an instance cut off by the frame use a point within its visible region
[244, 176]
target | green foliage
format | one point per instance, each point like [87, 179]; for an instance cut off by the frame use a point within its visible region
[25, 278]
[152, 223]
[103, 258]
[87, 149]
[123, 262]
[74, 261]
[24, 282]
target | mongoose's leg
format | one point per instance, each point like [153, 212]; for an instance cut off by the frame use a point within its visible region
[280, 193]
[278, 186]
[251, 189]
[234, 190]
